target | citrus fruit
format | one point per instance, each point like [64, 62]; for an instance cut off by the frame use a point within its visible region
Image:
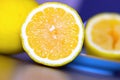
[102, 36]
[53, 34]
[12, 15]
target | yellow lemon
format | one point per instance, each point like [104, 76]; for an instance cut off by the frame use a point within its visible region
[102, 36]
[53, 34]
[12, 15]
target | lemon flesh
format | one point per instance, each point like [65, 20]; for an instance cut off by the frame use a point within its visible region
[106, 34]
[53, 34]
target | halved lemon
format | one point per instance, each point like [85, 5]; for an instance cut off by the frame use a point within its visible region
[102, 36]
[53, 34]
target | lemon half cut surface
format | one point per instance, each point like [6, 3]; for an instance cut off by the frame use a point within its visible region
[53, 34]
[102, 36]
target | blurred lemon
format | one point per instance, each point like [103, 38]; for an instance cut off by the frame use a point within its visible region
[102, 36]
[12, 16]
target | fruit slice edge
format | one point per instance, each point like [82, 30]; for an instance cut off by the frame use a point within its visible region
[46, 61]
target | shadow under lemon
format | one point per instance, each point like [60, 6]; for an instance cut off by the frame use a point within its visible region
[14, 69]
[7, 67]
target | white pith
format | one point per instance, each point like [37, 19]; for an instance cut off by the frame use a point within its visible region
[91, 23]
[46, 60]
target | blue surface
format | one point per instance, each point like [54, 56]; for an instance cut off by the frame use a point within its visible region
[95, 65]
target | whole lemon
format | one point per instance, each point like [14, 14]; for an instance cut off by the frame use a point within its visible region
[12, 16]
